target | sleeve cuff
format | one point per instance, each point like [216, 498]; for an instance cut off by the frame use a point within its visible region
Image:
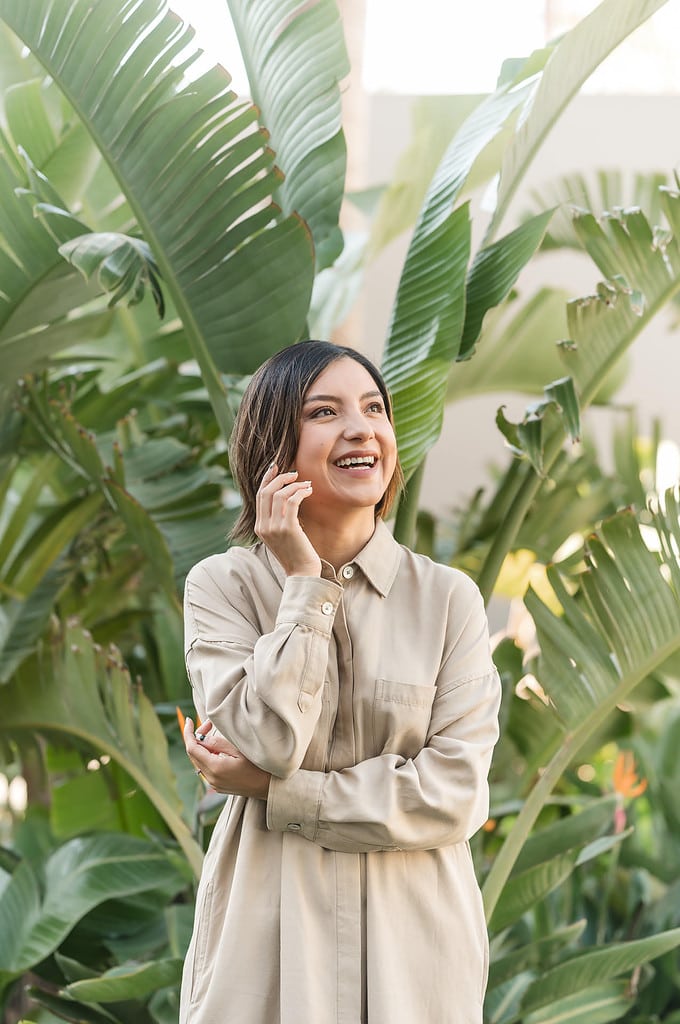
[309, 601]
[293, 804]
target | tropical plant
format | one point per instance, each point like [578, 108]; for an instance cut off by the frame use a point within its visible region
[145, 174]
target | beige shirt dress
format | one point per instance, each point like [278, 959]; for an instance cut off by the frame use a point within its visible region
[349, 896]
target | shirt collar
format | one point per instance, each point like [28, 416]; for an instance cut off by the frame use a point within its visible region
[378, 560]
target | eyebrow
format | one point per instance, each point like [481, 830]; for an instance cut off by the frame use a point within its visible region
[334, 398]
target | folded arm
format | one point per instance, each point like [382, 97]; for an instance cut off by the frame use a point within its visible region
[390, 802]
[262, 692]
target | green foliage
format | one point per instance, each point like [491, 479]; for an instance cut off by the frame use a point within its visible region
[295, 57]
[39, 913]
[139, 173]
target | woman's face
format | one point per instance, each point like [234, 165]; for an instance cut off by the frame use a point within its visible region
[347, 446]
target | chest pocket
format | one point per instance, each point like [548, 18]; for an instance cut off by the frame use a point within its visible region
[401, 717]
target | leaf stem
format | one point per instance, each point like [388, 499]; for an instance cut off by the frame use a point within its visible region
[407, 510]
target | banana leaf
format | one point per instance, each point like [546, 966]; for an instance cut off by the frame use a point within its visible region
[604, 190]
[597, 1004]
[596, 652]
[72, 688]
[641, 267]
[194, 167]
[78, 876]
[295, 57]
[428, 317]
[592, 967]
[130, 981]
[572, 62]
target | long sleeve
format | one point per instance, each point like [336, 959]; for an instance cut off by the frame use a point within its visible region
[261, 689]
[436, 798]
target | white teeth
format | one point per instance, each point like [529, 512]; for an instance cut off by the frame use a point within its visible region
[359, 460]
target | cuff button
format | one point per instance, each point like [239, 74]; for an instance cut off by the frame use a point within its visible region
[294, 826]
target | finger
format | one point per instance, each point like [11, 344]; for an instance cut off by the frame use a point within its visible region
[205, 728]
[295, 500]
[281, 497]
[269, 474]
[278, 482]
[267, 491]
[190, 742]
[275, 516]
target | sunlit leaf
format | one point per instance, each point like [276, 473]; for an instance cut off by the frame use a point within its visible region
[295, 58]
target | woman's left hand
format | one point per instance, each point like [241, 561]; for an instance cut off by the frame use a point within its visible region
[223, 766]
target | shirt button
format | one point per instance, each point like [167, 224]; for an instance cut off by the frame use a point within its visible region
[327, 608]
[294, 826]
[348, 572]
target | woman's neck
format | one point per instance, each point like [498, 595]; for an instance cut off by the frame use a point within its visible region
[339, 540]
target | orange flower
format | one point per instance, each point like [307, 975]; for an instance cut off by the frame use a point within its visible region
[181, 719]
[626, 782]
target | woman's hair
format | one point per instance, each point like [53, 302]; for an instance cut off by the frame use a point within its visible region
[267, 427]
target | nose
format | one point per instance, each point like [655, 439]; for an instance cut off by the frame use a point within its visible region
[358, 426]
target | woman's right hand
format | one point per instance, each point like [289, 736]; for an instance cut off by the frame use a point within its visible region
[277, 522]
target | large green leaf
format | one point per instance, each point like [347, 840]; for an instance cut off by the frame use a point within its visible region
[523, 891]
[75, 689]
[36, 287]
[78, 877]
[622, 623]
[171, 507]
[425, 335]
[194, 167]
[519, 348]
[595, 966]
[295, 57]
[434, 122]
[131, 981]
[428, 317]
[494, 271]
[575, 830]
[24, 620]
[505, 967]
[572, 62]
[597, 1004]
[593, 654]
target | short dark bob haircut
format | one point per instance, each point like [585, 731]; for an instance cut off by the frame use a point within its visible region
[267, 427]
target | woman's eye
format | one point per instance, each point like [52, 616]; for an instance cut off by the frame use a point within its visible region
[376, 407]
[324, 410]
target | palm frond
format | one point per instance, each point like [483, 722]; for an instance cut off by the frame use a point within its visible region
[597, 651]
[192, 163]
[295, 58]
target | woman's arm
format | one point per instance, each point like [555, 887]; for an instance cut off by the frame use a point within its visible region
[437, 798]
[389, 802]
[263, 692]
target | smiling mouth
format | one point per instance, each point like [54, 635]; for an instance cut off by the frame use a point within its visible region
[356, 460]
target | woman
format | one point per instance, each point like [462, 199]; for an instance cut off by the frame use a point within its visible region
[352, 710]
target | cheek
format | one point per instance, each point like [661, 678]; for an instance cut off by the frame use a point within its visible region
[390, 449]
